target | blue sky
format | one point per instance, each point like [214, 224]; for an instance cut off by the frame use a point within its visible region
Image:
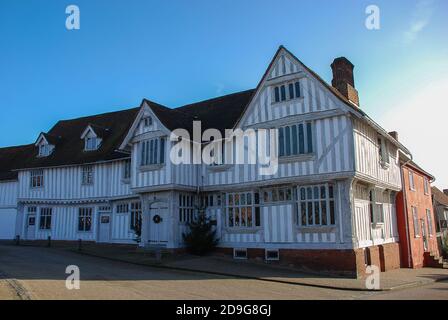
[178, 52]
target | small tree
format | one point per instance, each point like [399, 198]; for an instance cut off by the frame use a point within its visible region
[201, 237]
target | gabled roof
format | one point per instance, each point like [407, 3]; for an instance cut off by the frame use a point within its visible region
[355, 110]
[69, 150]
[13, 158]
[54, 140]
[439, 196]
[415, 166]
[219, 113]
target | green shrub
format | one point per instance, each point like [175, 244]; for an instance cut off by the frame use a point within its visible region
[201, 238]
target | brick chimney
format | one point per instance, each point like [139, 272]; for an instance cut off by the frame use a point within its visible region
[343, 79]
[445, 191]
[394, 134]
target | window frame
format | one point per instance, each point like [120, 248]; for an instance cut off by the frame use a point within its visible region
[122, 205]
[231, 206]
[127, 169]
[83, 214]
[417, 231]
[91, 146]
[45, 150]
[411, 180]
[37, 178]
[146, 147]
[87, 173]
[300, 142]
[383, 152]
[186, 208]
[135, 214]
[286, 91]
[306, 203]
[426, 185]
[45, 218]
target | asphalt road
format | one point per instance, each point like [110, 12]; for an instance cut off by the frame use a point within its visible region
[39, 273]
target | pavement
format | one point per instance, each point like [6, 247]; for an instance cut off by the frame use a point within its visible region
[40, 273]
[252, 269]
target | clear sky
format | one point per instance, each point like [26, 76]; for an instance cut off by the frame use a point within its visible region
[177, 52]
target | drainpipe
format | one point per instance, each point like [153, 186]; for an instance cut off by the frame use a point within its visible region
[406, 213]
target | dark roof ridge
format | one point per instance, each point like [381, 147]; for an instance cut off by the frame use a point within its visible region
[98, 115]
[16, 147]
[213, 99]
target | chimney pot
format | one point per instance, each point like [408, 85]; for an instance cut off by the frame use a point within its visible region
[343, 79]
[394, 134]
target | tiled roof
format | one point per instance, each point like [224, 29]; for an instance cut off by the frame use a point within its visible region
[439, 196]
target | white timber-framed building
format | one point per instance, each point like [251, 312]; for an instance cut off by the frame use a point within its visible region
[330, 205]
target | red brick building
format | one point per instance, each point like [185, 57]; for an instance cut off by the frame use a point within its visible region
[415, 218]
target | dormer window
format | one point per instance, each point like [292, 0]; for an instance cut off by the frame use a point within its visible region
[91, 143]
[91, 140]
[45, 150]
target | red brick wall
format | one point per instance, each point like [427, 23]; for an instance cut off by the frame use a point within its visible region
[421, 201]
[389, 256]
[341, 262]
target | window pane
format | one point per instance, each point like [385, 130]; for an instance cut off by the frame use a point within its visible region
[316, 193]
[297, 85]
[323, 206]
[288, 141]
[230, 210]
[310, 213]
[291, 91]
[243, 199]
[162, 151]
[332, 217]
[237, 217]
[294, 140]
[249, 216]
[310, 138]
[316, 213]
[237, 199]
[323, 193]
[257, 217]
[249, 198]
[283, 93]
[243, 217]
[301, 140]
[277, 94]
[281, 142]
[309, 193]
[281, 195]
[303, 213]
